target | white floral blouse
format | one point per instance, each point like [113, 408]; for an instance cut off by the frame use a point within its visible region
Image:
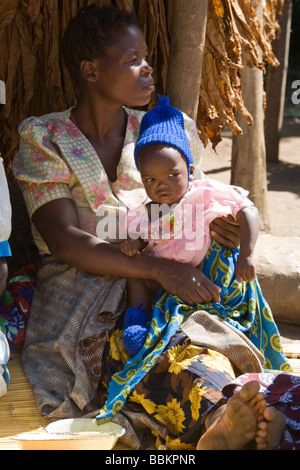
[55, 160]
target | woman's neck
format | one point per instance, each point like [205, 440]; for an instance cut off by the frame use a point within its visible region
[104, 125]
[100, 121]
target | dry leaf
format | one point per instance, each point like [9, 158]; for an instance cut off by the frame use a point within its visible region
[37, 81]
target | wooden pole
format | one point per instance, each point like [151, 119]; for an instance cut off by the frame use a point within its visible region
[186, 54]
[276, 84]
[248, 150]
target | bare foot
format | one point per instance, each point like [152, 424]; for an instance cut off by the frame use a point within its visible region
[270, 429]
[234, 425]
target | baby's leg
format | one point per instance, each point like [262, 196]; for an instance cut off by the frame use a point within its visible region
[138, 293]
[137, 314]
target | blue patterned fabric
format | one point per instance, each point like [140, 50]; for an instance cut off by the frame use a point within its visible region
[167, 317]
[242, 305]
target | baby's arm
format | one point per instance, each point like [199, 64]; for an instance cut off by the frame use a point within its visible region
[245, 268]
[132, 247]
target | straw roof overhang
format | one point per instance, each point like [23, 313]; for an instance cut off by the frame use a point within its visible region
[37, 81]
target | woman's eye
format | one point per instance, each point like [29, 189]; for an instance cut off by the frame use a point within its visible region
[137, 59]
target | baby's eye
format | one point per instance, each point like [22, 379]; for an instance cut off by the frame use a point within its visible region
[148, 180]
[173, 175]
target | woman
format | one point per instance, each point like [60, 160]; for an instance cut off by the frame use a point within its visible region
[70, 166]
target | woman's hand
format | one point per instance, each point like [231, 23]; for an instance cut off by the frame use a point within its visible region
[187, 282]
[226, 231]
[3, 274]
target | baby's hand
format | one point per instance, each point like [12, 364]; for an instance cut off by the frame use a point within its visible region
[245, 269]
[131, 247]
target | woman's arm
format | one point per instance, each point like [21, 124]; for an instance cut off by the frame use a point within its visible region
[58, 224]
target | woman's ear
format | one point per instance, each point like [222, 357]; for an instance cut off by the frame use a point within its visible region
[88, 70]
[192, 173]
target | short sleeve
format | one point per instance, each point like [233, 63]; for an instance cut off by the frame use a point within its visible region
[225, 198]
[4, 249]
[42, 174]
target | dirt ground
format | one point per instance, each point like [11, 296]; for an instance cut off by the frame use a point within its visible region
[283, 177]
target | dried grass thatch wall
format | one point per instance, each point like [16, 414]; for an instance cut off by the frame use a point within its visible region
[234, 39]
[37, 82]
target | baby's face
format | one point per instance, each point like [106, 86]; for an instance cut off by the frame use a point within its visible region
[164, 173]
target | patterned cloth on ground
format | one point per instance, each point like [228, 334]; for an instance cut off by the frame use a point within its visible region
[15, 305]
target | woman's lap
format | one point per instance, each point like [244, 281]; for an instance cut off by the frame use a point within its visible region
[59, 377]
[243, 307]
[182, 388]
[71, 315]
[179, 390]
[176, 389]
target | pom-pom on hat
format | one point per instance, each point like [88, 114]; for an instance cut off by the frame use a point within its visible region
[164, 124]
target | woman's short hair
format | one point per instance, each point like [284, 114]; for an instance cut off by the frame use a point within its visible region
[91, 32]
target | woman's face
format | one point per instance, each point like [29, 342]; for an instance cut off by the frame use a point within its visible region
[124, 75]
[164, 173]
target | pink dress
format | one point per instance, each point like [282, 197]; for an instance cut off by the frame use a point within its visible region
[182, 233]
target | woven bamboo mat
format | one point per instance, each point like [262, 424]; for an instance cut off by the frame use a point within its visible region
[290, 336]
[18, 409]
[19, 412]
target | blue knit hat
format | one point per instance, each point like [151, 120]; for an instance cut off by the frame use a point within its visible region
[164, 124]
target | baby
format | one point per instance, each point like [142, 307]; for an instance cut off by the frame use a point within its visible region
[164, 159]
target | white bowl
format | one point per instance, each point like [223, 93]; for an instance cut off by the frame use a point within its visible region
[72, 434]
